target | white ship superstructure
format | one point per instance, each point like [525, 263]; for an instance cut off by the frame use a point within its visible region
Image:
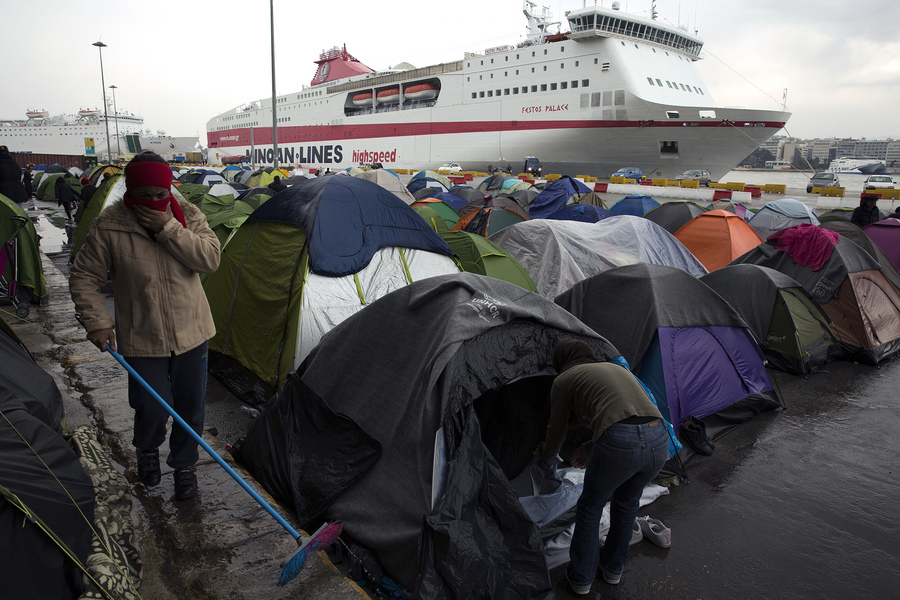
[614, 90]
[858, 165]
[85, 133]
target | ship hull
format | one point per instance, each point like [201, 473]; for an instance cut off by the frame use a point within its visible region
[585, 105]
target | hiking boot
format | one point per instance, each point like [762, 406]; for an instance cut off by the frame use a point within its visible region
[655, 531]
[148, 467]
[185, 483]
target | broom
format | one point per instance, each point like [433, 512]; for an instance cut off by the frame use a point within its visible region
[322, 538]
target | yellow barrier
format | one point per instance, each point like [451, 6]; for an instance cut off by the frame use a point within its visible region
[660, 182]
[829, 191]
[717, 185]
[886, 194]
[690, 183]
[401, 171]
[586, 178]
[552, 177]
[617, 180]
[630, 181]
[774, 188]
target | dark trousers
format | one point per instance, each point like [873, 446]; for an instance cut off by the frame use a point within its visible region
[181, 382]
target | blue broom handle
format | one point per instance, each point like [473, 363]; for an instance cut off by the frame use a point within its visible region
[206, 446]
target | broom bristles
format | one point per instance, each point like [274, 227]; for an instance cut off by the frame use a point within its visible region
[319, 541]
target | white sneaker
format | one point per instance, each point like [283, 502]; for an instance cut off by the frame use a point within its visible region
[655, 531]
[636, 535]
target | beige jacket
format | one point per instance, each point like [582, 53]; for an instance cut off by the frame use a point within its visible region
[160, 305]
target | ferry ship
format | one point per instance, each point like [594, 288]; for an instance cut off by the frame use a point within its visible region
[615, 89]
[859, 165]
[85, 134]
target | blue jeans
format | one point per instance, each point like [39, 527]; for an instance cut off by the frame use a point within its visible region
[623, 461]
[181, 382]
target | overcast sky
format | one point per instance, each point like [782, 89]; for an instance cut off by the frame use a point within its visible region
[179, 63]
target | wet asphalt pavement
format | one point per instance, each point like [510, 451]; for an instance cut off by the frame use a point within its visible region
[797, 503]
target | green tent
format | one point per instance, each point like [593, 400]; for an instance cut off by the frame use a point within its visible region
[112, 188]
[47, 187]
[23, 256]
[446, 212]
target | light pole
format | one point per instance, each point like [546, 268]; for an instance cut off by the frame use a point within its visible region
[100, 47]
[274, 108]
[116, 118]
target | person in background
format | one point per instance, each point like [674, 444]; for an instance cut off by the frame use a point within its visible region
[154, 247]
[28, 180]
[867, 212]
[628, 447]
[87, 192]
[65, 195]
[11, 177]
[277, 185]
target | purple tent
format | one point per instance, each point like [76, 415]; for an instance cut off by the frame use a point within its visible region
[886, 235]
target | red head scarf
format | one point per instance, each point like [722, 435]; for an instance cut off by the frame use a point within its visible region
[139, 174]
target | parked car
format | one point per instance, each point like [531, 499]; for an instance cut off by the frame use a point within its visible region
[821, 180]
[452, 167]
[696, 175]
[532, 166]
[879, 182]
[629, 173]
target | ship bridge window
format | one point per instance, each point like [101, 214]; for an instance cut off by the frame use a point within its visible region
[650, 79]
[668, 83]
[672, 114]
[659, 83]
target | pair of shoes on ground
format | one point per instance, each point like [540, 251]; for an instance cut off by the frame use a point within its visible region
[150, 475]
[636, 536]
[693, 432]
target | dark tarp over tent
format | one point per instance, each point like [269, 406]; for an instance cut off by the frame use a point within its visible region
[863, 305]
[687, 344]
[304, 261]
[671, 216]
[403, 416]
[636, 205]
[793, 331]
[490, 215]
[556, 196]
[40, 473]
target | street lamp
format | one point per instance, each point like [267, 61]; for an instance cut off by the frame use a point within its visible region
[100, 47]
[274, 98]
[116, 118]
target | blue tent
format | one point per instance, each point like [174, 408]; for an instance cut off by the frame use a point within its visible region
[556, 195]
[637, 205]
[422, 182]
[347, 219]
[450, 199]
[781, 214]
[687, 344]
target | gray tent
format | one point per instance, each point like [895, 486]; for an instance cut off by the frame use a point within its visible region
[559, 254]
[409, 420]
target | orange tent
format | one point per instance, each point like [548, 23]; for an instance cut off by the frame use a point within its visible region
[717, 237]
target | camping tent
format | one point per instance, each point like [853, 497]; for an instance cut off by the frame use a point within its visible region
[306, 260]
[497, 182]
[731, 206]
[22, 255]
[791, 328]
[490, 215]
[523, 197]
[558, 254]
[852, 288]
[781, 214]
[671, 216]
[637, 205]
[467, 193]
[886, 235]
[858, 236]
[431, 400]
[426, 185]
[586, 213]
[449, 216]
[389, 181]
[556, 196]
[40, 476]
[717, 237]
[687, 344]
[443, 180]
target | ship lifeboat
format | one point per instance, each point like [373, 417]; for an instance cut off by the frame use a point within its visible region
[391, 96]
[363, 99]
[89, 112]
[422, 91]
[36, 113]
